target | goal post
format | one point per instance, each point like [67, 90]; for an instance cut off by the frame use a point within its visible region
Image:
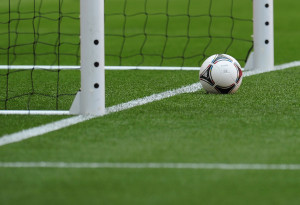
[91, 97]
[263, 34]
[141, 39]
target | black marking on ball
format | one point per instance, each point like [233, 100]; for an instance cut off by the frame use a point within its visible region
[225, 90]
[206, 75]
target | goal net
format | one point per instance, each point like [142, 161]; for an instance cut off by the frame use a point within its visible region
[41, 51]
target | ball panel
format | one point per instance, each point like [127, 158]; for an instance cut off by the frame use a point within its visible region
[233, 59]
[224, 73]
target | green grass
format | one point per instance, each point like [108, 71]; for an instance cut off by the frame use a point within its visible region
[133, 85]
[201, 127]
[148, 187]
[258, 124]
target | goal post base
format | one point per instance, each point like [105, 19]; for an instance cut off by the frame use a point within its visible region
[250, 62]
[75, 107]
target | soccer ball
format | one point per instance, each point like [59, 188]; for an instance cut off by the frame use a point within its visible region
[221, 73]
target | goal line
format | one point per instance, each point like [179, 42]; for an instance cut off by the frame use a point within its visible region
[67, 112]
[57, 125]
[41, 36]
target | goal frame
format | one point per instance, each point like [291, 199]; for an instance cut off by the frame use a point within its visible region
[90, 100]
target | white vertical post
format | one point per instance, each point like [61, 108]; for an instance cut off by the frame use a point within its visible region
[92, 95]
[263, 31]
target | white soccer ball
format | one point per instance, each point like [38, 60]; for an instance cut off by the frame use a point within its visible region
[221, 73]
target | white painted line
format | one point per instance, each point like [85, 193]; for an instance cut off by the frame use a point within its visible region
[76, 67]
[42, 67]
[43, 129]
[155, 97]
[123, 106]
[116, 165]
[34, 112]
[278, 67]
[40, 130]
[36, 131]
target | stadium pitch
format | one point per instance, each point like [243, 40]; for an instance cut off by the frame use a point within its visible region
[191, 148]
[44, 129]
[180, 129]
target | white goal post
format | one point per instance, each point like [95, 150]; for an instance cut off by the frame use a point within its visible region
[263, 36]
[90, 100]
